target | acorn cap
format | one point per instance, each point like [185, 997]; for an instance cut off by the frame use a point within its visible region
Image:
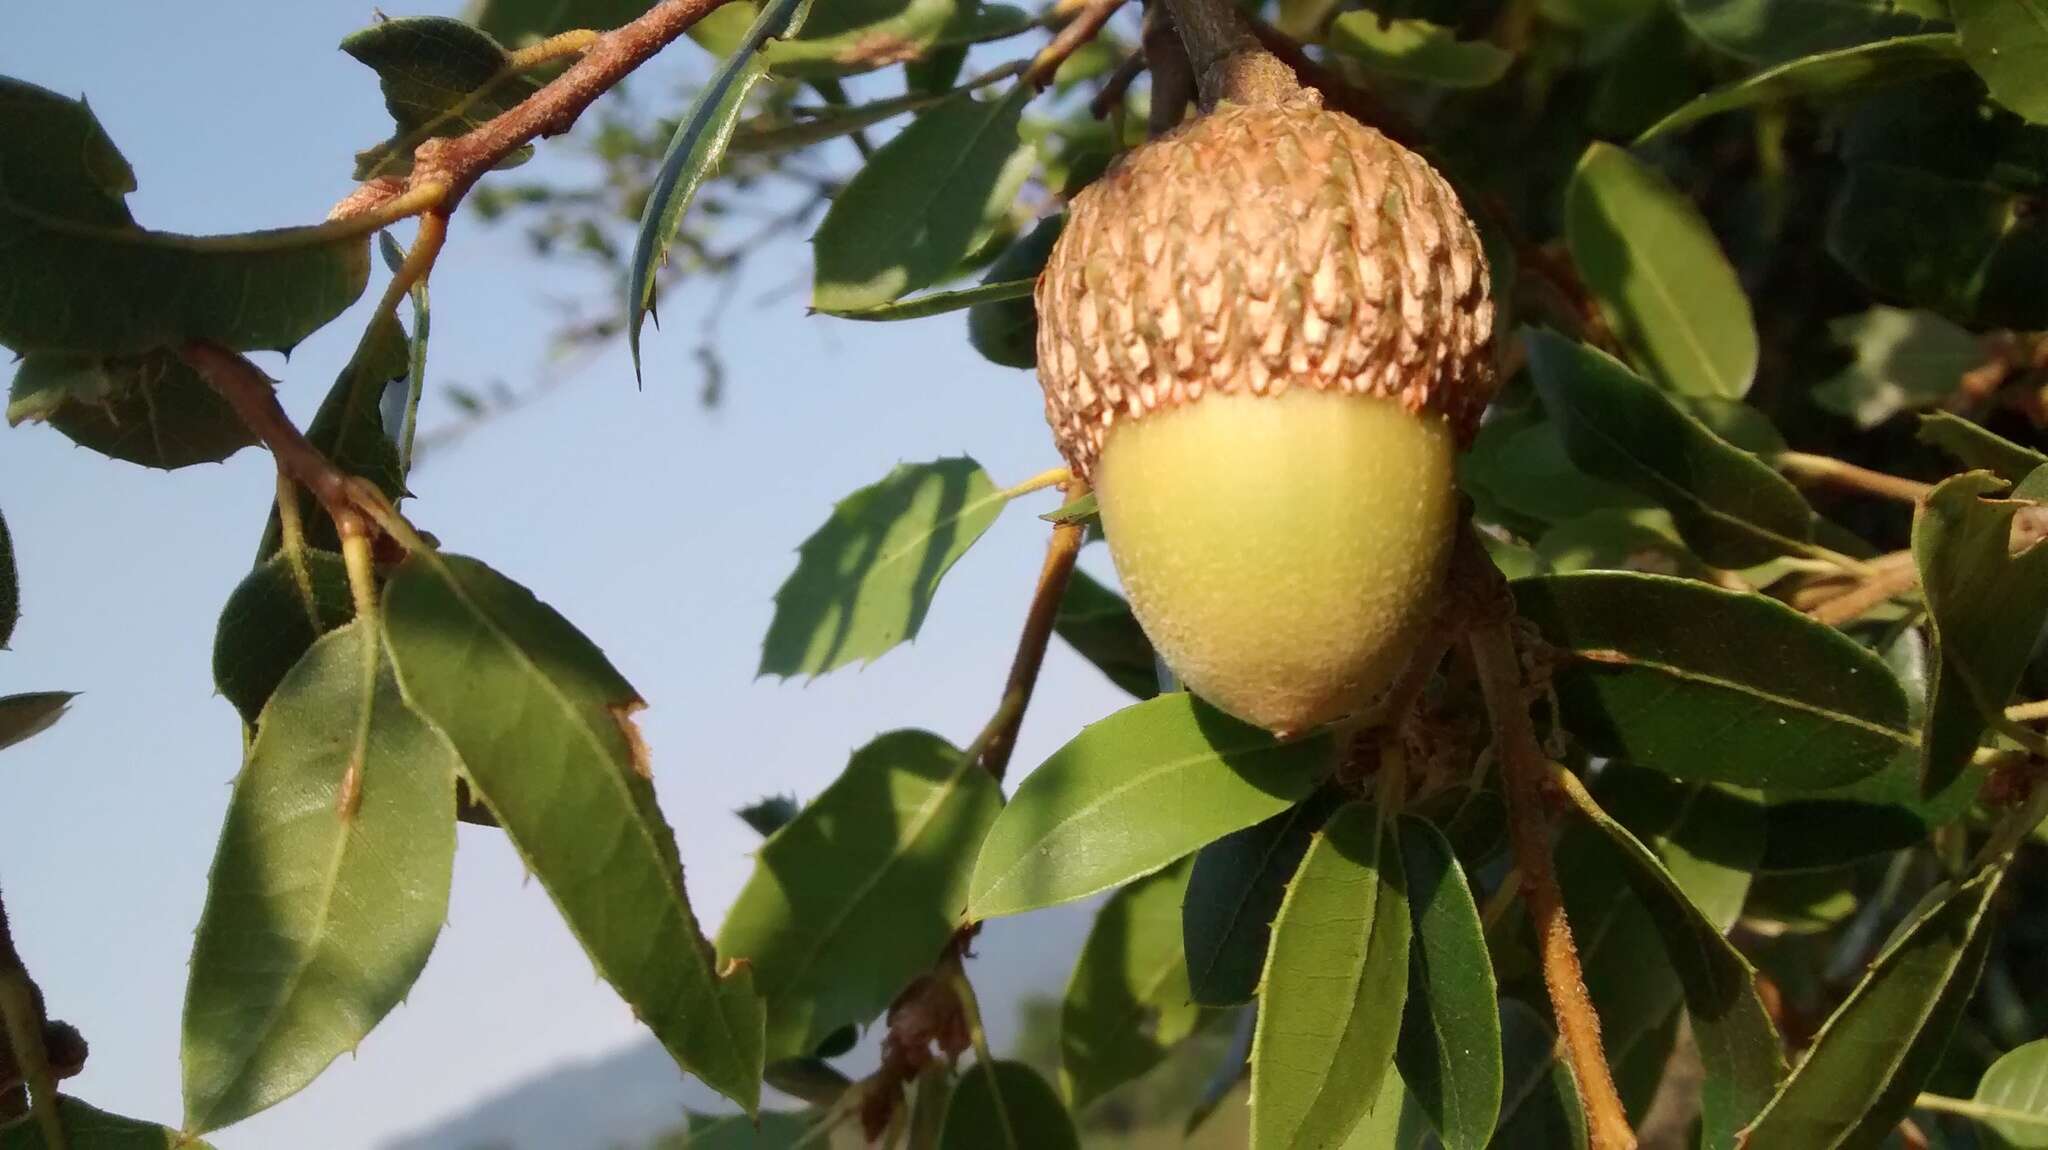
[1256, 248]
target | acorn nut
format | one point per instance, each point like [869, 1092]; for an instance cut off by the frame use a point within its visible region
[1263, 337]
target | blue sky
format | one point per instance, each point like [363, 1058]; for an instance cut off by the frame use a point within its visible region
[661, 529]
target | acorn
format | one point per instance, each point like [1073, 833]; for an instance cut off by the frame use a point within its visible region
[1263, 338]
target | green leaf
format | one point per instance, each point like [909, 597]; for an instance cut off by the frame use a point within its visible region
[26, 715]
[1842, 71]
[349, 429]
[1708, 837]
[1074, 511]
[271, 620]
[1979, 448]
[148, 409]
[520, 22]
[1539, 1104]
[1127, 1001]
[1875, 815]
[88, 1129]
[850, 36]
[694, 153]
[1129, 795]
[1418, 50]
[1715, 686]
[1617, 540]
[329, 887]
[1007, 333]
[1660, 276]
[772, 1130]
[1904, 360]
[913, 212]
[859, 893]
[2006, 41]
[1987, 605]
[543, 724]
[1097, 623]
[1771, 31]
[10, 587]
[940, 302]
[1235, 891]
[416, 353]
[864, 580]
[1873, 1055]
[1336, 978]
[2014, 1092]
[799, 128]
[1396, 1121]
[1733, 510]
[1526, 471]
[89, 281]
[1738, 1044]
[1006, 1105]
[440, 77]
[1449, 1050]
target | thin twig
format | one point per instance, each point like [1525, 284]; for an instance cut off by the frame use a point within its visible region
[254, 400]
[2033, 712]
[1058, 568]
[1802, 467]
[1884, 585]
[1173, 78]
[1524, 770]
[1087, 22]
[1114, 88]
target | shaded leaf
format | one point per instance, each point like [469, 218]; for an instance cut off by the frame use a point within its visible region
[941, 302]
[784, 132]
[1844, 70]
[773, 1130]
[864, 580]
[1979, 448]
[1539, 1104]
[851, 36]
[695, 152]
[329, 886]
[859, 893]
[27, 715]
[1770, 31]
[1007, 333]
[148, 409]
[913, 212]
[1987, 605]
[269, 622]
[349, 430]
[88, 1129]
[1874, 1053]
[440, 77]
[10, 587]
[769, 815]
[1097, 623]
[520, 22]
[543, 725]
[1335, 981]
[1129, 795]
[1715, 686]
[1234, 893]
[1875, 815]
[1527, 472]
[1709, 837]
[89, 281]
[2015, 1092]
[2006, 41]
[1904, 360]
[1449, 1050]
[1418, 50]
[1732, 509]
[1127, 1001]
[1659, 275]
[1006, 1106]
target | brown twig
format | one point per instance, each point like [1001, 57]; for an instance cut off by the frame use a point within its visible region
[1173, 78]
[254, 400]
[1087, 22]
[1001, 740]
[1801, 467]
[1227, 60]
[1111, 96]
[1884, 584]
[1524, 770]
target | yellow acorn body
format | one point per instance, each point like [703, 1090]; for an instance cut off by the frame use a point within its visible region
[1262, 338]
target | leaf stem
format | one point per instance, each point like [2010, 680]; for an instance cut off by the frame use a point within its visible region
[1826, 470]
[1977, 1111]
[559, 46]
[1056, 477]
[291, 534]
[2033, 712]
[250, 393]
[1087, 22]
[1001, 741]
[1885, 584]
[1525, 771]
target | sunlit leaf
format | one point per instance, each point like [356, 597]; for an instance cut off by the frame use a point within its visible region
[1127, 1000]
[1396, 1121]
[1904, 360]
[1335, 982]
[695, 152]
[1979, 448]
[1006, 1106]
[26, 715]
[2006, 41]
[329, 887]
[1418, 50]
[850, 36]
[2014, 1091]
[1824, 74]
[149, 409]
[857, 895]
[516, 23]
[1527, 472]
[544, 726]
[1132, 793]
[1732, 509]
[271, 619]
[1097, 623]
[440, 77]
[1714, 686]
[864, 580]
[1874, 1054]
[89, 281]
[1987, 604]
[1660, 276]
[1449, 1051]
[88, 1129]
[913, 212]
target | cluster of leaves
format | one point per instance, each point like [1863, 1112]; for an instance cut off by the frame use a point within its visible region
[1795, 842]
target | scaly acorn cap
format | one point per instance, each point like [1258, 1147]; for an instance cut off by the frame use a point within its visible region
[1259, 248]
